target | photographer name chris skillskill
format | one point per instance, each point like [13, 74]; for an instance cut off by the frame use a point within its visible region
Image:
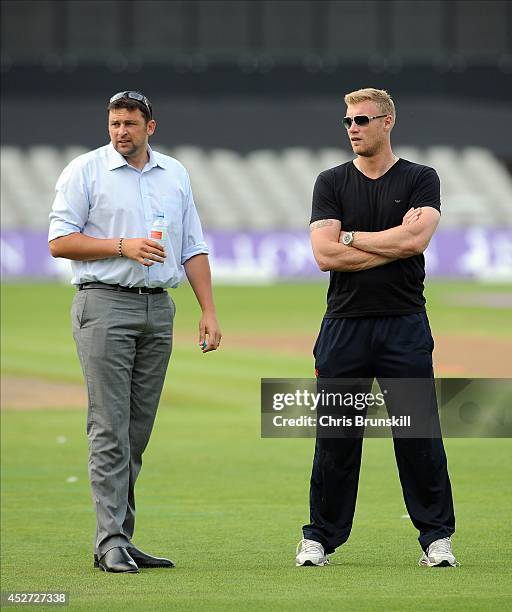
[359, 401]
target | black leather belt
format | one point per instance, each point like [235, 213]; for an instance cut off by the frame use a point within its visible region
[140, 290]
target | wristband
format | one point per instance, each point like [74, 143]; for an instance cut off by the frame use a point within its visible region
[120, 247]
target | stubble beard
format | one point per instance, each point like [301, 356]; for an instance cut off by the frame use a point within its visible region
[368, 151]
[131, 152]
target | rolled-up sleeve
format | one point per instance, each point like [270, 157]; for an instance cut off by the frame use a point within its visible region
[192, 240]
[70, 208]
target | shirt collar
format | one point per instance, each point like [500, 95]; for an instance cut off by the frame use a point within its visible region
[116, 160]
[155, 159]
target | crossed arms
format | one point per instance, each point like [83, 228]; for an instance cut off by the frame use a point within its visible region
[372, 249]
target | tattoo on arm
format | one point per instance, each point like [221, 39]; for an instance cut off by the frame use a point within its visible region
[322, 223]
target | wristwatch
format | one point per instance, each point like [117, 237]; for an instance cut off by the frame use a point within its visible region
[348, 238]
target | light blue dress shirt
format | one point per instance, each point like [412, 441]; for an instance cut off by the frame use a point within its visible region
[100, 195]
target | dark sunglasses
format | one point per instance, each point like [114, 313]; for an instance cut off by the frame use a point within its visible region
[359, 120]
[133, 95]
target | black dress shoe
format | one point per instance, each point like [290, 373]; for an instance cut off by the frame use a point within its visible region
[142, 559]
[117, 560]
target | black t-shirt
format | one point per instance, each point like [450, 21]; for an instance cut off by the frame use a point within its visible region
[372, 205]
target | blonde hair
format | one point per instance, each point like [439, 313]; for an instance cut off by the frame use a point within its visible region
[379, 96]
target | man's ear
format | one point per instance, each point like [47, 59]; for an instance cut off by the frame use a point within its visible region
[389, 122]
[151, 127]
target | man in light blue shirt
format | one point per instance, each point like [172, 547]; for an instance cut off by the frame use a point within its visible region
[122, 315]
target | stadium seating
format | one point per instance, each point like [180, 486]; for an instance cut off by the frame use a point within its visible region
[264, 189]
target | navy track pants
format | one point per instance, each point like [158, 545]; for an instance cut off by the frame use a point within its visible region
[377, 347]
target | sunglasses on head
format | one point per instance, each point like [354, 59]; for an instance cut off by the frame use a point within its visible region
[133, 95]
[359, 120]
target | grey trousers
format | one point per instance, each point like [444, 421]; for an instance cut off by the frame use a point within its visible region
[124, 342]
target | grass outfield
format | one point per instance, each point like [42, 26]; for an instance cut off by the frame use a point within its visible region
[225, 504]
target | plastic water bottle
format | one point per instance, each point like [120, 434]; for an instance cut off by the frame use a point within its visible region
[159, 229]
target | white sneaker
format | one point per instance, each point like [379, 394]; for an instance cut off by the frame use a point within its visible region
[310, 552]
[439, 554]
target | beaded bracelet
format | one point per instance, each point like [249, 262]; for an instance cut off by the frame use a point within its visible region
[120, 247]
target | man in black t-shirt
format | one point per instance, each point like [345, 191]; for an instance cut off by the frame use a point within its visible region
[372, 219]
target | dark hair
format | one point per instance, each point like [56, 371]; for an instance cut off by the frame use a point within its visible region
[130, 104]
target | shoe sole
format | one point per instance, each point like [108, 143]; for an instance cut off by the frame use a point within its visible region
[139, 565]
[155, 566]
[104, 569]
[311, 564]
[441, 564]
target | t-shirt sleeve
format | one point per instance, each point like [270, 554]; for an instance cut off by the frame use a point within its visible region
[427, 190]
[324, 202]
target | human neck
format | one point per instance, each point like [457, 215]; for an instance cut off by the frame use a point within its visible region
[140, 160]
[376, 165]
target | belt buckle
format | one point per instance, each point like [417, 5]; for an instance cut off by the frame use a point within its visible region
[144, 290]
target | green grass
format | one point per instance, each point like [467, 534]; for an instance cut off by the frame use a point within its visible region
[225, 504]
[36, 317]
[448, 311]
[228, 507]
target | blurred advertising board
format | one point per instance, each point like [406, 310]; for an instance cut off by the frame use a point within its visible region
[269, 256]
